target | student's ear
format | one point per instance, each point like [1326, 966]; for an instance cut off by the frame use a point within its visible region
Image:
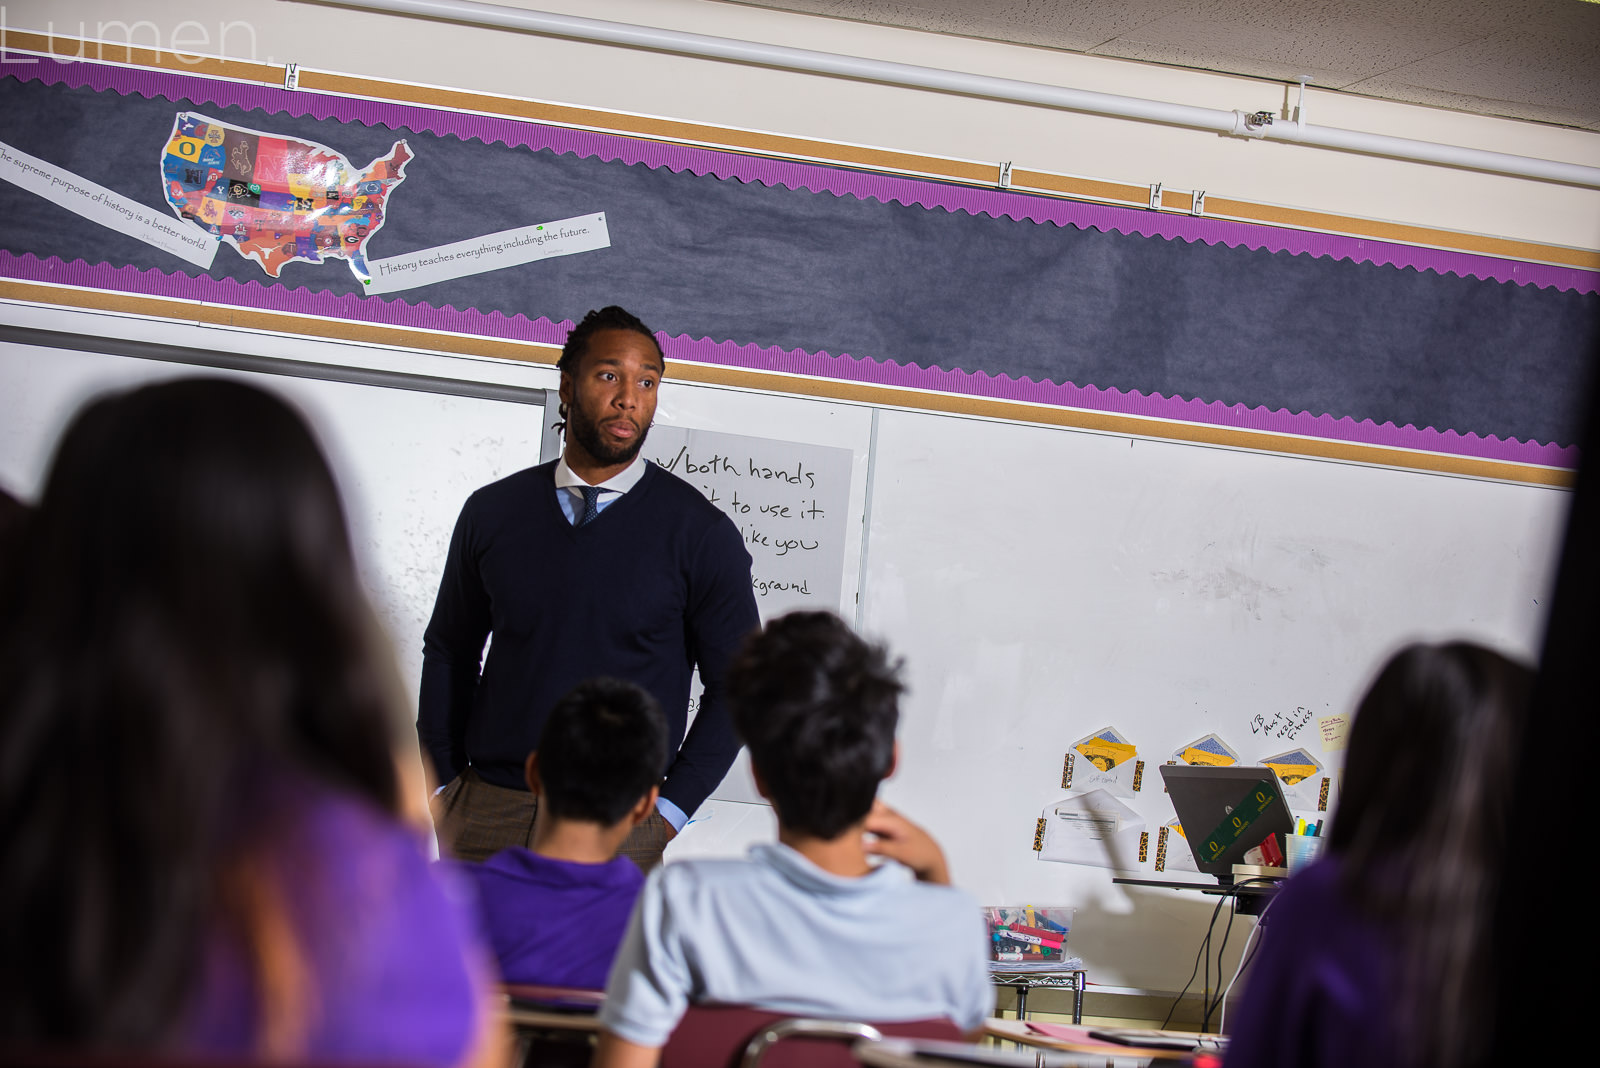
[530, 773]
[761, 784]
[894, 761]
[565, 391]
[646, 805]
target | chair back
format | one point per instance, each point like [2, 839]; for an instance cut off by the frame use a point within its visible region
[552, 1026]
[719, 1036]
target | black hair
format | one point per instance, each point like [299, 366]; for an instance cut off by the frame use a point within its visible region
[13, 516]
[1421, 832]
[611, 317]
[12, 512]
[603, 747]
[817, 706]
[188, 624]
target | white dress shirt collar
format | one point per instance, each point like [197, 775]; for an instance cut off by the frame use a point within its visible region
[621, 482]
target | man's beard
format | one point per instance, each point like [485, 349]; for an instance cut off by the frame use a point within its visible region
[606, 453]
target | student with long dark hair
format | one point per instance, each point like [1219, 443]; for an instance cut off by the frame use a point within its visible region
[1380, 953]
[13, 516]
[200, 849]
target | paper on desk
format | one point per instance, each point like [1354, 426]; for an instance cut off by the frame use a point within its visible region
[1092, 828]
[1104, 759]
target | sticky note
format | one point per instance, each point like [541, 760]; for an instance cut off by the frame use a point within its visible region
[1335, 731]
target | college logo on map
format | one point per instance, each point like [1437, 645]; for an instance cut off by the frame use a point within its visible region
[276, 199]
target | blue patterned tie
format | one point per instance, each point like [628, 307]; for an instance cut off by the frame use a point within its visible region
[591, 505]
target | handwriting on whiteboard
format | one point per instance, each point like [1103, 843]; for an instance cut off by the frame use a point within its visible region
[1280, 724]
[789, 502]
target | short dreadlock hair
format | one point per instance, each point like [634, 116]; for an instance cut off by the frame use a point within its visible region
[611, 317]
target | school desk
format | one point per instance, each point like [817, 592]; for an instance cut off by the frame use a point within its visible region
[1076, 1039]
[912, 1053]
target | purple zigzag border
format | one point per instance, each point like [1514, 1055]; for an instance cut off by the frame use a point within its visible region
[813, 178]
[843, 367]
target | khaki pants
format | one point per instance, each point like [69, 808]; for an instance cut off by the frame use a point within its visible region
[476, 819]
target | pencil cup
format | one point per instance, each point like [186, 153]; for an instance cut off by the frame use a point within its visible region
[1301, 849]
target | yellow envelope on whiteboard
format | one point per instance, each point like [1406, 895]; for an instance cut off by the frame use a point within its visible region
[1210, 750]
[1104, 759]
[1302, 776]
[1290, 774]
[1105, 755]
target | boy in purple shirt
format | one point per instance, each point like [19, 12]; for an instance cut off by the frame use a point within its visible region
[555, 914]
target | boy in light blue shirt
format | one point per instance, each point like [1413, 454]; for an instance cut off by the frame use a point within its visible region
[811, 924]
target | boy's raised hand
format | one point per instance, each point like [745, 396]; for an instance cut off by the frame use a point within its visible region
[892, 835]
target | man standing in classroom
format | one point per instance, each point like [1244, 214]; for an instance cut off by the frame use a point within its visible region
[599, 563]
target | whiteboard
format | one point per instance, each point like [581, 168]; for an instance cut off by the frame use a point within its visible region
[404, 460]
[1044, 583]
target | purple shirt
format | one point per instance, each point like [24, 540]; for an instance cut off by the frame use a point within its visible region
[554, 922]
[389, 960]
[1319, 992]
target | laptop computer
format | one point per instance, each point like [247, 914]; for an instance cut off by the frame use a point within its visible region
[1226, 812]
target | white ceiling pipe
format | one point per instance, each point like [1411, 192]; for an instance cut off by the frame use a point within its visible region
[1476, 159]
[908, 74]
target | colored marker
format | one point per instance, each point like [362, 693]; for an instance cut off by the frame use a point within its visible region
[1048, 936]
[1029, 939]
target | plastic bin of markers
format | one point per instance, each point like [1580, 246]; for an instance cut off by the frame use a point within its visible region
[1029, 938]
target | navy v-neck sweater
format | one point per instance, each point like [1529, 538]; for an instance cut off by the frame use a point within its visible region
[657, 584]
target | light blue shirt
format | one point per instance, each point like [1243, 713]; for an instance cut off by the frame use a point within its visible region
[570, 485]
[777, 932]
[569, 495]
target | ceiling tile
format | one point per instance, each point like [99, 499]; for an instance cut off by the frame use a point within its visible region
[1526, 59]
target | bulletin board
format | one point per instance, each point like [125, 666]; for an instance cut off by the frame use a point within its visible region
[914, 290]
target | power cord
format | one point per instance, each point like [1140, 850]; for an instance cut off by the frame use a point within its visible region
[1230, 896]
[1251, 944]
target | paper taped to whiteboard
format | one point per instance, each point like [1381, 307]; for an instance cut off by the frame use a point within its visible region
[1105, 759]
[1210, 750]
[789, 501]
[1300, 774]
[1093, 828]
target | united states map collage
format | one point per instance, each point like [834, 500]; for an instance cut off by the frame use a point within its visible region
[275, 199]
